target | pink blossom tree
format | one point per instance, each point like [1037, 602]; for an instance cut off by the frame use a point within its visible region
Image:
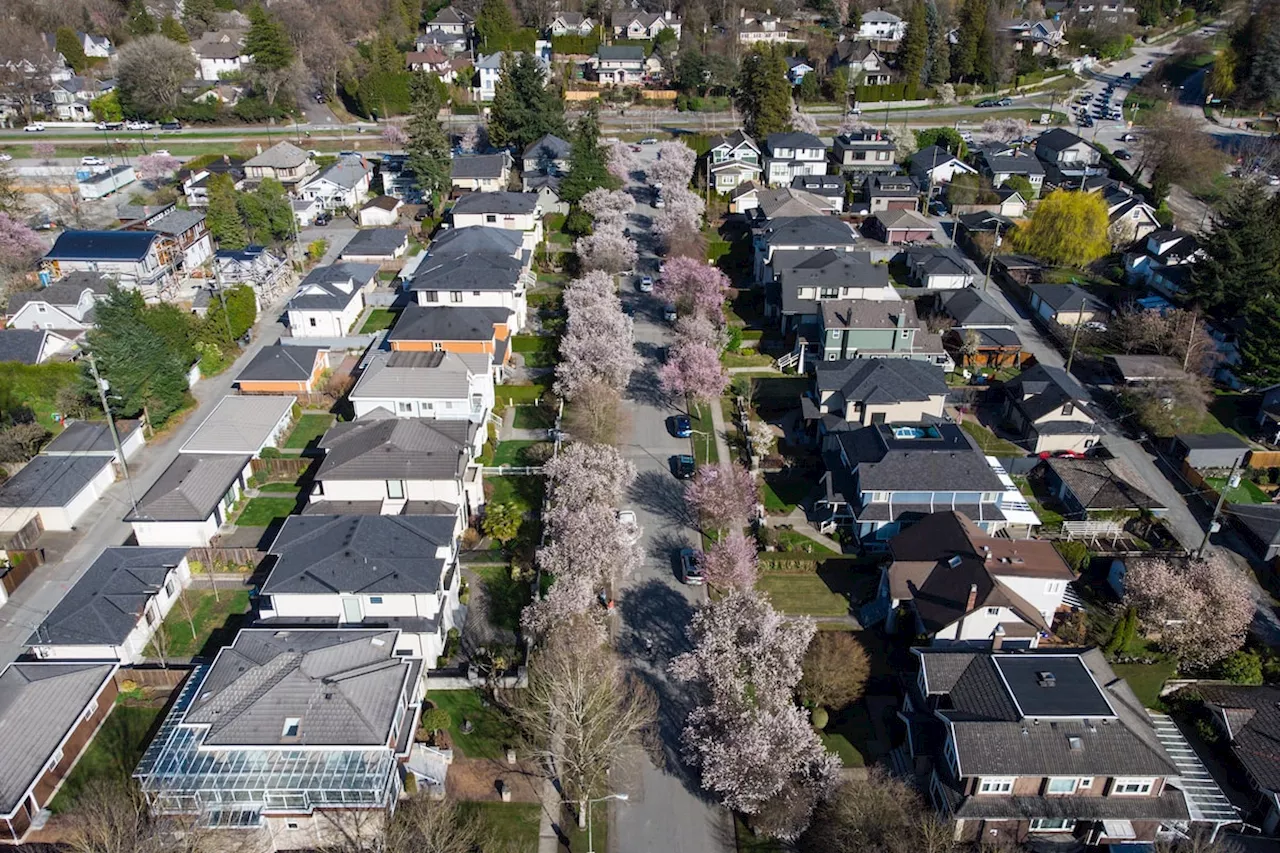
[607, 249]
[731, 563]
[1201, 609]
[597, 344]
[802, 122]
[701, 329]
[1006, 129]
[682, 214]
[724, 495]
[695, 287]
[607, 208]
[475, 138]
[20, 247]
[43, 151]
[395, 136]
[693, 370]
[584, 474]
[620, 160]
[674, 166]
[154, 167]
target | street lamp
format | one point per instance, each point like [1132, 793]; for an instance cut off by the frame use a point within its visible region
[622, 797]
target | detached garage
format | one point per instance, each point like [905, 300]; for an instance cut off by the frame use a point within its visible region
[58, 489]
[189, 502]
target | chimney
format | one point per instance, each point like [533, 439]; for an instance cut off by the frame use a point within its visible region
[667, 14]
[997, 639]
[973, 598]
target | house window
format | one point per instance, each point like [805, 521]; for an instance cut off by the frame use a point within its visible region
[395, 489]
[431, 296]
[1068, 409]
[92, 709]
[829, 293]
[1052, 824]
[455, 296]
[54, 759]
[1086, 782]
[995, 785]
[311, 321]
[489, 217]
[375, 599]
[168, 588]
[151, 616]
[291, 824]
[405, 408]
[437, 346]
[1061, 785]
[993, 611]
[1132, 787]
[291, 727]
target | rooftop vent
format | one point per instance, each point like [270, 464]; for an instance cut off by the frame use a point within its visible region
[1075, 743]
[1046, 679]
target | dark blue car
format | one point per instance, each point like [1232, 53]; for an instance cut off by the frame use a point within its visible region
[681, 427]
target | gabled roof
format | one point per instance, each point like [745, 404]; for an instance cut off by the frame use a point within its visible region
[106, 603]
[967, 307]
[419, 375]
[390, 448]
[903, 220]
[800, 267]
[332, 287]
[881, 381]
[1253, 715]
[938, 260]
[375, 242]
[1102, 484]
[440, 323]
[479, 166]
[477, 239]
[620, 53]
[60, 293]
[868, 314]
[282, 155]
[1012, 164]
[450, 15]
[22, 345]
[793, 139]
[279, 363]
[1058, 139]
[51, 481]
[484, 271]
[731, 141]
[549, 147]
[240, 424]
[931, 156]
[879, 16]
[497, 203]
[1067, 297]
[89, 437]
[346, 173]
[817, 230]
[102, 246]
[190, 488]
[1042, 389]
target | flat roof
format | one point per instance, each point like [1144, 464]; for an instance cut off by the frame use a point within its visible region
[240, 425]
[1053, 686]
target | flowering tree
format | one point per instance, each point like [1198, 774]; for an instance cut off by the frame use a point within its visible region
[475, 138]
[20, 247]
[682, 214]
[153, 167]
[725, 494]
[395, 136]
[674, 166]
[585, 474]
[731, 562]
[694, 286]
[1200, 609]
[1006, 129]
[608, 208]
[43, 151]
[694, 370]
[619, 159]
[803, 122]
[597, 344]
[701, 329]
[607, 249]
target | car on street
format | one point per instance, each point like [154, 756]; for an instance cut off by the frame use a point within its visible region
[162, 152]
[1128, 75]
[690, 571]
[669, 313]
[1122, 154]
[92, 161]
[320, 97]
[1085, 121]
[966, 136]
[4, 157]
[645, 284]
[1004, 102]
[324, 218]
[990, 102]
[635, 148]
[1128, 137]
[681, 426]
[683, 466]
[34, 127]
[648, 140]
[658, 201]
[171, 125]
[138, 125]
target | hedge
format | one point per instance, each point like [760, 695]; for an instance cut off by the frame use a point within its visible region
[575, 44]
[891, 92]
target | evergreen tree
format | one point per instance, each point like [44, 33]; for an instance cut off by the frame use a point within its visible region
[199, 15]
[144, 352]
[171, 29]
[1241, 261]
[523, 108]
[587, 161]
[914, 52]
[940, 57]
[987, 69]
[71, 49]
[494, 25]
[764, 95]
[1260, 342]
[267, 42]
[140, 21]
[854, 22]
[385, 56]
[266, 212]
[428, 145]
[973, 21]
[223, 215]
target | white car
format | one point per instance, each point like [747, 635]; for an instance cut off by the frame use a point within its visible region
[967, 136]
[92, 161]
[5, 158]
[34, 127]
[631, 528]
[138, 125]
[162, 152]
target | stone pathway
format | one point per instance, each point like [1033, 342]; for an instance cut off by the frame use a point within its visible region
[798, 521]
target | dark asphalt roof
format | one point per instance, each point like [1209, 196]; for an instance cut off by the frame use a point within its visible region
[1101, 484]
[1212, 441]
[1057, 139]
[479, 271]
[938, 260]
[620, 53]
[479, 166]
[396, 449]
[368, 554]
[51, 481]
[497, 203]
[929, 157]
[1043, 389]
[823, 231]
[1254, 716]
[946, 462]
[868, 314]
[473, 239]
[1013, 164]
[280, 363]
[440, 323]
[1067, 297]
[1262, 520]
[89, 437]
[376, 242]
[332, 287]
[21, 345]
[108, 600]
[549, 147]
[190, 488]
[797, 139]
[881, 380]
[967, 307]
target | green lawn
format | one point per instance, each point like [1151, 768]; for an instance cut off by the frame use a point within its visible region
[506, 597]
[208, 613]
[260, 512]
[783, 492]
[379, 319]
[518, 394]
[839, 744]
[746, 358]
[524, 492]
[112, 755]
[513, 452]
[492, 733]
[748, 843]
[704, 449]
[29, 392]
[1245, 493]
[827, 588]
[291, 488]
[577, 838]
[537, 350]
[534, 417]
[848, 734]
[989, 442]
[511, 824]
[794, 540]
[1146, 679]
[308, 429]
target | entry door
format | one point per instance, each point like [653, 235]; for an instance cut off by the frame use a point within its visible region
[351, 609]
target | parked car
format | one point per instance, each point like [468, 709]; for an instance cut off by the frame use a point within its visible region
[1122, 154]
[683, 466]
[966, 135]
[631, 528]
[982, 105]
[938, 208]
[635, 148]
[648, 140]
[681, 426]
[1128, 137]
[92, 161]
[5, 158]
[320, 97]
[645, 285]
[138, 125]
[324, 218]
[162, 152]
[690, 571]
[34, 127]
[171, 125]
[1004, 102]
[669, 313]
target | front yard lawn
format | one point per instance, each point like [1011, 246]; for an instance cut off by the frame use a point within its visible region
[514, 825]
[537, 350]
[209, 612]
[828, 588]
[989, 442]
[524, 492]
[745, 358]
[513, 452]
[506, 597]
[784, 492]
[534, 417]
[1147, 679]
[492, 733]
[839, 744]
[261, 512]
[704, 446]
[291, 488]
[308, 429]
[794, 540]
[113, 754]
[746, 842]
[518, 394]
[379, 319]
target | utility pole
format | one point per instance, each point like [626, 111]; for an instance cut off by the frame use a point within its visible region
[1191, 336]
[1075, 336]
[991, 256]
[111, 423]
[1217, 509]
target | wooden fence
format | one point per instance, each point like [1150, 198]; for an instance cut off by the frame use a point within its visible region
[26, 537]
[164, 678]
[280, 469]
[1264, 459]
[21, 565]
[210, 558]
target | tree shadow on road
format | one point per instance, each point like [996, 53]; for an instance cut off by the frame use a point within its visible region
[660, 493]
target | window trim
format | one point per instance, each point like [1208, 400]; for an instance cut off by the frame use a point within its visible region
[1049, 783]
[1146, 784]
[1038, 824]
[995, 784]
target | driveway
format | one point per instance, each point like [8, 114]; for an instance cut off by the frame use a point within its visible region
[666, 809]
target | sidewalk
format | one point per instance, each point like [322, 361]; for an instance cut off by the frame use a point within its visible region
[720, 428]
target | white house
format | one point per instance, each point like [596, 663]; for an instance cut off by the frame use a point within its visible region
[880, 25]
[57, 489]
[489, 71]
[443, 385]
[755, 28]
[934, 165]
[477, 267]
[482, 173]
[790, 154]
[114, 609]
[190, 500]
[368, 570]
[453, 21]
[506, 210]
[65, 305]
[645, 25]
[342, 186]
[381, 211]
[96, 46]
[329, 300]
[621, 65]
[220, 52]
[572, 24]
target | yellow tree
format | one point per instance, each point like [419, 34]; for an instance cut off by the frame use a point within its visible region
[1067, 229]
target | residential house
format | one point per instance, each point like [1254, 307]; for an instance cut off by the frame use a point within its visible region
[398, 180]
[70, 98]
[1066, 150]
[454, 329]
[1103, 486]
[1260, 524]
[190, 500]
[861, 391]
[96, 46]
[797, 68]
[435, 384]
[960, 586]
[879, 25]
[620, 65]
[1001, 167]
[114, 608]
[984, 335]
[645, 25]
[1043, 37]
[243, 425]
[221, 52]
[382, 211]
[1246, 719]
[451, 44]
[330, 300]
[827, 192]
[453, 21]
[35, 346]
[255, 266]
[890, 192]
[1139, 369]
[280, 369]
[195, 182]
[58, 490]
[804, 281]
[1049, 410]
[136, 260]
[1163, 260]
[863, 152]
[896, 227]
[475, 267]
[481, 173]
[1208, 451]
[932, 166]
[863, 62]
[186, 228]
[1131, 218]
[50, 713]
[395, 462]
[65, 305]
[939, 268]
[1067, 304]
[885, 477]
[489, 70]
[763, 204]
[790, 154]
[375, 246]
[325, 718]
[435, 59]
[811, 233]
[105, 181]
[506, 210]
[547, 189]
[862, 328]
[284, 161]
[572, 24]
[341, 186]
[757, 28]
[94, 438]
[1042, 744]
[548, 155]
[733, 160]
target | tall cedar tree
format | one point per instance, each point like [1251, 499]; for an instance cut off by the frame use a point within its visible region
[494, 24]
[588, 169]
[267, 41]
[223, 214]
[964, 54]
[170, 28]
[144, 352]
[914, 52]
[1241, 263]
[140, 21]
[71, 49]
[764, 93]
[199, 15]
[428, 146]
[523, 108]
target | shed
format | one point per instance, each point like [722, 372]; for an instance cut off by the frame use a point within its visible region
[1216, 450]
[1142, 368]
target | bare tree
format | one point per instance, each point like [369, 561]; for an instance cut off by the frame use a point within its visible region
[423, 825]
[1177, 152]
[596, 415]
[24, 71]
[836, 668]
[881, 814]
[151, 71]
[113, 817]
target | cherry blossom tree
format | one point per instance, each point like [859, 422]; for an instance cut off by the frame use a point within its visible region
[1200, 609]
[597, 344]
[620, 160]
[674, 166]
[154, 167]
[475, 138]
[20, 246]
[584, 474]
[395, 136]
[802, 122]
[693, 370]
[731, 562]
[702, 329]
[43, 151]
[1006, 129]
[682, 214]
[607, 249]
[608, 208]
[695, 287]
[725, 495]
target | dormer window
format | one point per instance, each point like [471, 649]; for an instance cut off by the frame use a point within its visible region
[292, 725]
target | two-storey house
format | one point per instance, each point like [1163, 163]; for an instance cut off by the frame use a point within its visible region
[849, 393]
[453, 21]
[862, 328]
[330, 299]
[1045, 36]
[1017, 163]
[220, 52]
[195, 182]
[341, 186]
[879, 25]
[434, 384]
[933, 166]
[284, 161]
[890, 192]
[863, 62]
[548, 155]
[1066, 150]
[186, 228]
[804, 281]
[481, 173]
[866, 151]
[810, 233]
[506, 210]
[619, 65]
[763, 28]
[476, 267]
[1049, 410]
[733, 160]
[957, 585]
[645, 25]
[790, 154]
[453, 328]
[135, 260]
[571, 24]
[1163, 260]
[65, 305]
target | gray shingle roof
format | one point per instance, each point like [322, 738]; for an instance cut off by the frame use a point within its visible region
[1254, 715]
[1043, 389]
[282, 155]
[21, 345]
[497, 203]
[40, 704]
[1102, 484]
[1012, 164]
[51, 481]
[392, 448]
[822, 231]
[344, 687]
[969, 309]
[440, 323]
[938, 260]
[106, 603]
[474, 239]
[89, 437]
[946, 462]
[279, 363]
[868, 314]
[620, 53]
[177, 222]
[1067, 297]
[375, 242]
[332, 287]
[346, 173]
[479, 271]
[66, 292]
[419, 376]
[361, 554]
[881, 380]
[240, 425]
[479, 166]
[795, 139]
[190, 488]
